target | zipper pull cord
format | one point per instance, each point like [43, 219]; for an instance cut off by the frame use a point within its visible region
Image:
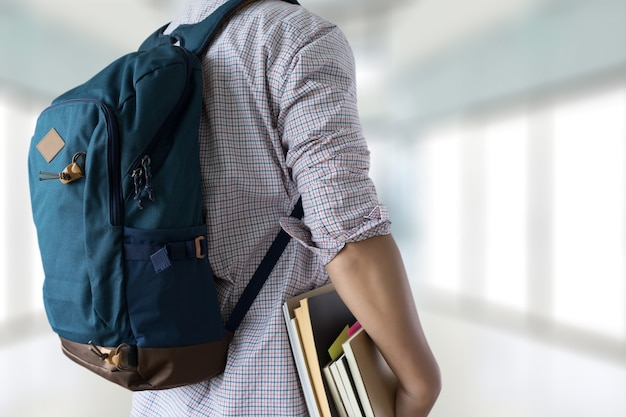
[74, 171]
[147, 169]
[138, 184]
[142, 182]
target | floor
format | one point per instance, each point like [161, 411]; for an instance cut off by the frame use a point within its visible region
[494, 373]
[487, 373]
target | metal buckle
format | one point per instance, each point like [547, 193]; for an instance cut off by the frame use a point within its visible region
[199, 253]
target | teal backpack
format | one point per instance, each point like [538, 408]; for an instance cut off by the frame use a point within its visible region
[116, 198]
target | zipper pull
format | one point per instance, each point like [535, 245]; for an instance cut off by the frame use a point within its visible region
[147, 169]
[138, 184]
[142, 182]
[70, 173]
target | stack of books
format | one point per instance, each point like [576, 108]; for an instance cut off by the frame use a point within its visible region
[341, 371]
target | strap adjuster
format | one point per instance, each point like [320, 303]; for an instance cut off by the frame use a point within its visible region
[199, 253]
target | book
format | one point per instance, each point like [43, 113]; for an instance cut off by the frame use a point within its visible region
[333, 386]
[336, 349]
[374, 381]
[301, 367]
[342, 372]
[320, 318]
[320, 315]
[293, 333]
[311, 357]
[348, 393]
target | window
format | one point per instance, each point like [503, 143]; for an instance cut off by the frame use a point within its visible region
[589, 186]
[22, 276]
[524, 211]
[506, 164]
[4, 290]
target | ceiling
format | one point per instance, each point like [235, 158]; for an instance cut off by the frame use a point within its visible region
[421, 25]
[84, 35]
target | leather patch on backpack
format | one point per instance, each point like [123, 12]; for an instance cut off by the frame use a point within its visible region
[50, 145]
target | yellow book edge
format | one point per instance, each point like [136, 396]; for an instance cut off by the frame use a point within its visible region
[308, 346]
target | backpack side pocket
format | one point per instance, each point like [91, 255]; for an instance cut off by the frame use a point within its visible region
[170, 290]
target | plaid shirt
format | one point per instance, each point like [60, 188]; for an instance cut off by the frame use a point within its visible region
[280, 121]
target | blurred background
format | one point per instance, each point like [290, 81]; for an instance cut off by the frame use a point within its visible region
[497, 131]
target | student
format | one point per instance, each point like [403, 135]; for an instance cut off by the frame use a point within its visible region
[281, 122]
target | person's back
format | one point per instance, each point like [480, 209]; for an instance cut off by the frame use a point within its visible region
[280, 122]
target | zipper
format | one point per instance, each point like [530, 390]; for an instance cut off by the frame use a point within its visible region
[149, 149]
[113, 156]
[116, 201]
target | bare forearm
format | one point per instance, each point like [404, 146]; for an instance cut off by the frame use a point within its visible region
[370, 278]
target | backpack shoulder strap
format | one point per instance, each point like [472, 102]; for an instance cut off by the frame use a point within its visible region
[196, 37]
[262, 273]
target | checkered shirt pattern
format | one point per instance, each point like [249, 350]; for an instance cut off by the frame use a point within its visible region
[280, 121]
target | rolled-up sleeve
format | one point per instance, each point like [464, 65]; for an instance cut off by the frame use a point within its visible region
[326, 150]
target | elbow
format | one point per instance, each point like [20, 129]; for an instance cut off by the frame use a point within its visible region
[419, 398]
[433, 390]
